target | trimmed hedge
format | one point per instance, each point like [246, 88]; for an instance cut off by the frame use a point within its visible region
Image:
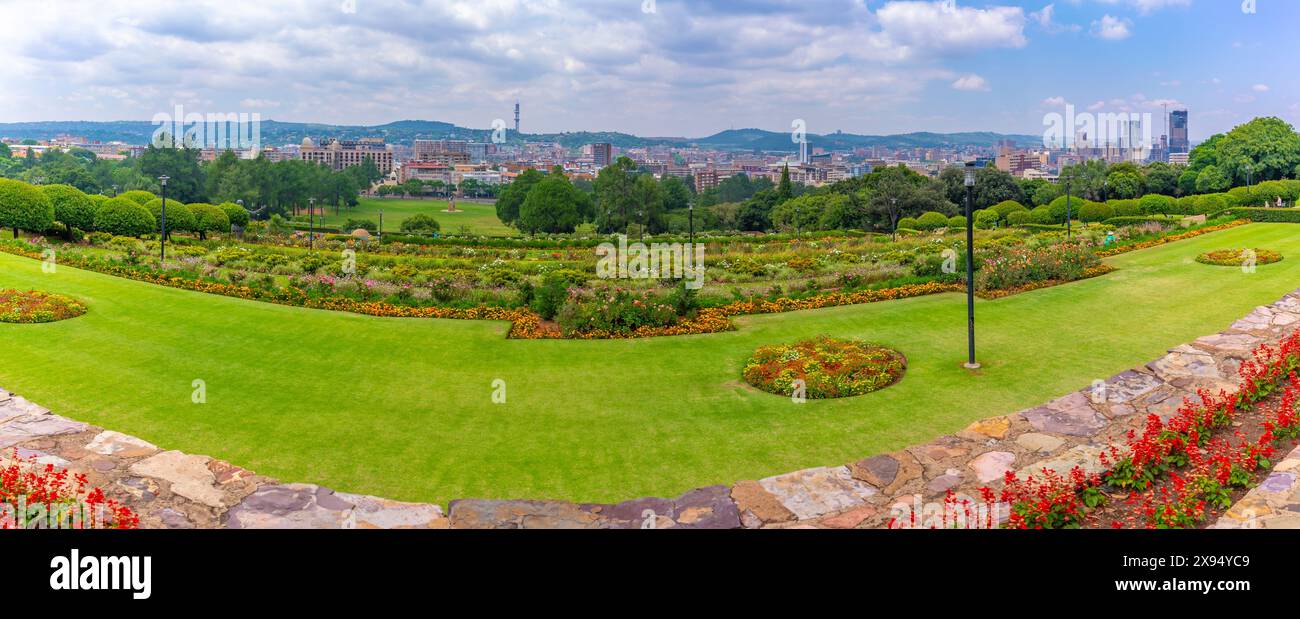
[179, 217]
[138, 196]
[124, 217]
[72, 207]
[932, 221]
[24, 207]
[1137, 220]
[209, 218]
[1268, 215]
[237, 214]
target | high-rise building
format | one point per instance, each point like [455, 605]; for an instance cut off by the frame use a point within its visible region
[602, 154]
[1178, 139]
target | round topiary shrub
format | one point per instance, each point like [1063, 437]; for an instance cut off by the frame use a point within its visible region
[1239, 257]
[124, 217]
[1125, 208]
[1093, 212]
[237, 214]
[957, 221]
[908, 223]
[24, 207]
[34, 306]
[829, 368]
[1020, 218]
[1156, 204]
[1005, 208]
[1042, 216]
[931, 221]
[179, 216]
[139, 196]
[208, 218]
[986, 219]
[1059, 208]
[72, 208]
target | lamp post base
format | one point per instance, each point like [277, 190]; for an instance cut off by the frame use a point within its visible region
[971, 366]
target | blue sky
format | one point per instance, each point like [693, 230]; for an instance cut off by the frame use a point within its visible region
[652, 67]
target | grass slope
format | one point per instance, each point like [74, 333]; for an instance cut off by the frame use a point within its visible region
[403, 409]
[481, 218]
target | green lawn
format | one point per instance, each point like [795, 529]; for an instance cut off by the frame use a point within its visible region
[481, 218]
[403, 409]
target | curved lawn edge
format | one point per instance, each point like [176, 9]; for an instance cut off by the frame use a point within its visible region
[171, 489]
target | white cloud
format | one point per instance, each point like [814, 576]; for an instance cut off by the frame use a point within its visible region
[938, 27]
[1054, 101]
[970, 82]
[1260, 88]
[1112, 28]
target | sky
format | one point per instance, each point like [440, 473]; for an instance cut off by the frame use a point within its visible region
[680, 68]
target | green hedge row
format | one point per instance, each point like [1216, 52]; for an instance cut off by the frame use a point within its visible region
[1268, 215]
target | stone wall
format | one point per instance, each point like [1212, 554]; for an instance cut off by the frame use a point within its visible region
[170, 489]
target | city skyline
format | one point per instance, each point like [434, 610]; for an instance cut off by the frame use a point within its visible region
[654, 68]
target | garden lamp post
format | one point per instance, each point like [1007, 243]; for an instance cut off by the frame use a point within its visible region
[162, 241]
[114, 191]
[893, 208]
[971, 364]
[640, 214]
[798, 225]
[692, 217]
[311, 224]
[1067, 209]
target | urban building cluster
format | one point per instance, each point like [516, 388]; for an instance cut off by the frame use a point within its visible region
[452, 161]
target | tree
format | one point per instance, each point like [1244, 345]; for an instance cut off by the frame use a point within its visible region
[755, 214]
[24, 207]
[1210, 180]
[1162, 178]
[676, 195]
[991, 186]
[615, 199]
[72, 208]
[1260, 150]
[514, 195]
[237, 214]
[179, 216]
[139, 197]
[785, 191]
[551, 206]
[187, 179]
[421, 224]
[413, 187]
[899, 192]
[124, 217]
[209, 218]
[1124, 185]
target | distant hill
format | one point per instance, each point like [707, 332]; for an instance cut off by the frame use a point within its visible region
[404, 131]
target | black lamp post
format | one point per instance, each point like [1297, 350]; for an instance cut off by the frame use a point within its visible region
[311, 224]
[971, 364]
[798, 225]
[640, 214]
[692, 214]
[162, 241]
[1067, 209]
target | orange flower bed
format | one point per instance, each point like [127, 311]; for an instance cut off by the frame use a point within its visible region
[1106, 253]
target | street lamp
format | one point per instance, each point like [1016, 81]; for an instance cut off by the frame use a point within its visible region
[971, 364]
[798, 225]
[162, 241]
[1068, 214]
[114, 191]
[311, 224]
[692, 212]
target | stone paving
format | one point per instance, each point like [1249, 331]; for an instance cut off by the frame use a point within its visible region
[170, 489]
[1274, 504]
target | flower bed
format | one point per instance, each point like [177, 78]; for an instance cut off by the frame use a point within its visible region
[829, 368]
[1239, 257]
[1190, 234]
[34, 306]
[39, 496]
[1015, 268]
[1176, 471]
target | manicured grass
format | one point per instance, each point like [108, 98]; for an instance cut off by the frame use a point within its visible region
[403, 408]
[481, 218]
